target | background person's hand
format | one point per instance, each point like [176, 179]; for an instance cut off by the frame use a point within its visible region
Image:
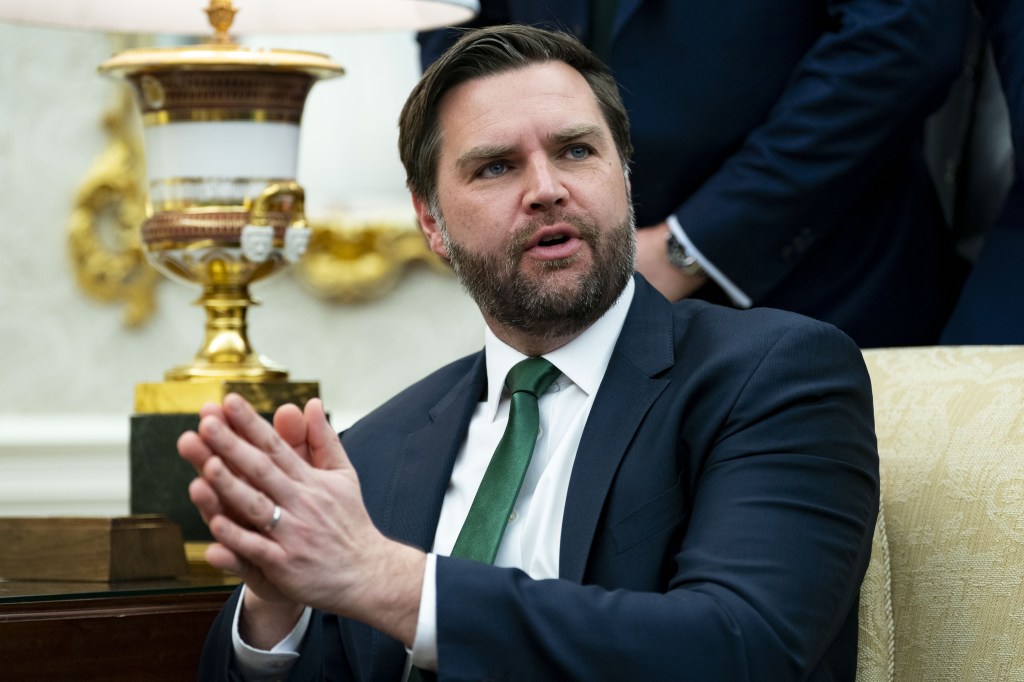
[652, 262]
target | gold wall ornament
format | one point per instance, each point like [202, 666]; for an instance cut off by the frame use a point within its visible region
[350, 262]
[103, 230]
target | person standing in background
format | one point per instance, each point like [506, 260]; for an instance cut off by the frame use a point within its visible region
[778, 157]
[991, 307]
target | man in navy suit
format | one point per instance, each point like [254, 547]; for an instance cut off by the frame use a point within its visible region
[704, 483]
[779, 143]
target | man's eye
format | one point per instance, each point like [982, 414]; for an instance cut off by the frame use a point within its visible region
[493, 169]
[578, 152]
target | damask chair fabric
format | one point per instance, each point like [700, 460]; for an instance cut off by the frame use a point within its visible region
[943, 598]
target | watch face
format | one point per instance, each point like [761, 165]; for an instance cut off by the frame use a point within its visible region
[678, 257]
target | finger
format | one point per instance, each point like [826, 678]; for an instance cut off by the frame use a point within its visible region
[248, 424]
[193, 450]
[205, 499]
[247, 546]
[219, 556]
[259, 469]
[325, 449]
[190, 446]
[212, 409]
[240, 501]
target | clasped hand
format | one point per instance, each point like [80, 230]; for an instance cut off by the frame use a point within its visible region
[323, 551]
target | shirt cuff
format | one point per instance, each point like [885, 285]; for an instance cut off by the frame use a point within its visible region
[740, 299]
[424, 645]
[258, 664]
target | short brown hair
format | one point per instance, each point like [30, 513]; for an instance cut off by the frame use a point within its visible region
[487, 52]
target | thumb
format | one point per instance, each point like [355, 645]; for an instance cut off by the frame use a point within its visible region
[325, 449]
[291, 426]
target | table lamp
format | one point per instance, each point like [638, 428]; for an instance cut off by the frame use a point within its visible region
[221, 130]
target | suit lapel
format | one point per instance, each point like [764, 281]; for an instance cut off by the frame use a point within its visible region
[417, 491]
[644, 349]
[421, 477]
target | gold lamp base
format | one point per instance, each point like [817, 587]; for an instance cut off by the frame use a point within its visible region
[225, 353]
[225, 363]
[187, 397]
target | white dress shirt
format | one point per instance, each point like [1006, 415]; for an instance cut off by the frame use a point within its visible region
[533, 536]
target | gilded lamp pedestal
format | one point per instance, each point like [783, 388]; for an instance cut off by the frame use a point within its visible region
[221, 131]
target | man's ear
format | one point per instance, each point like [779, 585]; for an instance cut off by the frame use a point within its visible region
[429, 226]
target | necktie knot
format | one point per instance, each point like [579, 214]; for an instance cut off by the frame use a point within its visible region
[532, 375]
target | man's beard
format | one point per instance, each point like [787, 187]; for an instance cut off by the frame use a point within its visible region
[515, 299]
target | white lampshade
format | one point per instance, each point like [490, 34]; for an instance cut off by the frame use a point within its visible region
[186, 17]
[221, 126]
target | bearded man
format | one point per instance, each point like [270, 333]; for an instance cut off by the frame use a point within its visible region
[614, 488]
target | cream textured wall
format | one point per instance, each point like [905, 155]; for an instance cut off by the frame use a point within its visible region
[67, 364]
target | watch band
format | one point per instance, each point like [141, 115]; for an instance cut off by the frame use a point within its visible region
[679, 258]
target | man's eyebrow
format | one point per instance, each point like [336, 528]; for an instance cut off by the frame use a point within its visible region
[483, 152]
[575, 132]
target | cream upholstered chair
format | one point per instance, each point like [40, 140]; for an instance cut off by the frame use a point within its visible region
[943, 598]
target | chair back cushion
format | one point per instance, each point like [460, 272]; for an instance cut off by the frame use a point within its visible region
[950, 424]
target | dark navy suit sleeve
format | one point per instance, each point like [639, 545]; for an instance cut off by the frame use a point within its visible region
[786, 139]
[764, 571]
[858, 93]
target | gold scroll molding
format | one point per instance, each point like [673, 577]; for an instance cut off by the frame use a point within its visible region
[353, 263]
[346, 261]
[103, 232]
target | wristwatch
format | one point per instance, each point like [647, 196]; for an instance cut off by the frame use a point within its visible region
[682, 260]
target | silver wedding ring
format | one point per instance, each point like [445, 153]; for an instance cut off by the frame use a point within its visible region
[275, 518]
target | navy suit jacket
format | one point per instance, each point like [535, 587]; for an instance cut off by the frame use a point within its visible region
[717, 526]
[785, 136]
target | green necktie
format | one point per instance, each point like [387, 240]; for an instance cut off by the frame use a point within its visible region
[481, 533]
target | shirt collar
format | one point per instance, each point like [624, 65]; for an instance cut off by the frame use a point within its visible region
[582, 361]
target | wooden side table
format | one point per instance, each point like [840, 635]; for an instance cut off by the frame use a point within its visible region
[97, 631]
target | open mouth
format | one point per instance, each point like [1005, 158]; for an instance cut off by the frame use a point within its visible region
[554, 240]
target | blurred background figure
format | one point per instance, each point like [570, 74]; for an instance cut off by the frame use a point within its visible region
[991, 307]
[778, 155]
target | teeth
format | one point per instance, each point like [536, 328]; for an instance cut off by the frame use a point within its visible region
[557, 239]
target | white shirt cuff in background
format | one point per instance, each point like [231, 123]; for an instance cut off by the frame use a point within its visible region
[739, 298]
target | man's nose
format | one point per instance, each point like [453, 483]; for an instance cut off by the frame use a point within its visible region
[544, 189]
